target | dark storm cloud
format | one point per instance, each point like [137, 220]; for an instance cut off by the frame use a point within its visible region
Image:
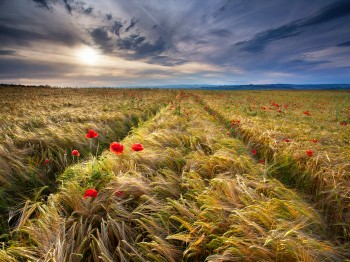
[101, 38]
[68, 6]
[331, 12]
[109, 16]
[43, 3]
[116, 27]
[18, 36]
[132, 24]
[8, 52]
[81, 8]
[131, 42]
[128, 39]
[88, 10]
[141, 47]
[261, 40]
[344, 44]
[12, 35]
[11, 68]
[147, 49]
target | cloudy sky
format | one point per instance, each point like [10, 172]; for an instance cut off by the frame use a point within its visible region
[156, 42]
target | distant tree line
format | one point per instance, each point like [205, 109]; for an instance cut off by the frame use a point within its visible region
[19, 85]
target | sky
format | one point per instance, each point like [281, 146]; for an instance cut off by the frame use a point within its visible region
[172, 42]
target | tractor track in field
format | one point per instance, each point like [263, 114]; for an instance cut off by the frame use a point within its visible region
[334, 232]
[53, 170]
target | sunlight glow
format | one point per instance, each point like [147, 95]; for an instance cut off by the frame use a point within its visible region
[88, 55]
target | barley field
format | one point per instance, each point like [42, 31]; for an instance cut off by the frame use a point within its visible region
[174, 175]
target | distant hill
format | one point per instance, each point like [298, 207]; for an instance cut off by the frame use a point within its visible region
[260, 87]
[224, 87]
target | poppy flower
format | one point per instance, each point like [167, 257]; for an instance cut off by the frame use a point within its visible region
[137, 147]
[286, 140]
[91, 134]
[46, 161]
[90, 193]
[343, 123]
[309, 153]
[262, 161]
[119, 193]
[307, 113]
[314, 140]
[75, 152]
[235, 122]
[254, 152]
[116, 148]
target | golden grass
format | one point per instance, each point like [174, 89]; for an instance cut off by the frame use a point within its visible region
[47, 123]
[193, 194]
[325, 175]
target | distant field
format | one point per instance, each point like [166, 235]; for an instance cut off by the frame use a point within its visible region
[197, 176]
[282, 126]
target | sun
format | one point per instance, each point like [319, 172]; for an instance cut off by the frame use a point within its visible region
[88, 55]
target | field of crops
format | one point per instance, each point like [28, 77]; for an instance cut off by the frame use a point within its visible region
[168, 175]
[304, 139]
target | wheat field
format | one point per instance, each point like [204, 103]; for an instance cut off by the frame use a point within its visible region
[170, 175]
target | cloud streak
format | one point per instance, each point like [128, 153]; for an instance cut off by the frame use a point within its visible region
[261, 40]
[235, 41]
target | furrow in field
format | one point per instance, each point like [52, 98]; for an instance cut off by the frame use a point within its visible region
[193, 194]
[324, 181]
[37, 142]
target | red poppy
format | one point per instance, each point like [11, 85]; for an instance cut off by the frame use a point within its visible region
[119, 193]
[286, 140]
[254, 152]
[343, 123]
[116, 148]
[314, 140]
[91, 134]
[90, 193]
[137, 147]
[46, 161]
[307, 113]
[235, 122]
[309, 153]
[75, 152]
[262, 161]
